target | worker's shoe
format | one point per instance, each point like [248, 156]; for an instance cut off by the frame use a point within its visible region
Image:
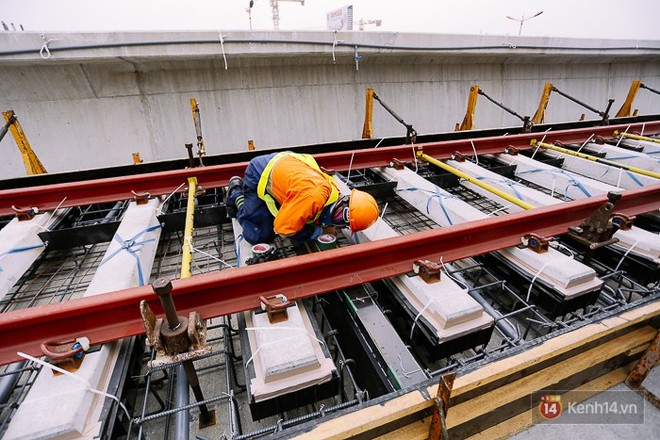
[234, 196]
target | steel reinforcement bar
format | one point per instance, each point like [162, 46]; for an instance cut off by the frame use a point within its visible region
[116, 315]
[48, 197]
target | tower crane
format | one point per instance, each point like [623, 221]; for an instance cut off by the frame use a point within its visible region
[274, 4]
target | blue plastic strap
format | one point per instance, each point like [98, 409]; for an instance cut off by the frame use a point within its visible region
[510, 183]
[129, 244]
[21, 249]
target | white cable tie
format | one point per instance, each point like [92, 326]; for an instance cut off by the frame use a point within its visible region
[222, 48]
[194, 249]
[44, 47]
[476, 158]
[350, 165]
[171, 194]
[88, 387]
[585, 142]
[379, 142]
[334, 44]
[529, 291]
[625, 255]
[418, 315]
[406, 374]
[412, 145]
[621, 136]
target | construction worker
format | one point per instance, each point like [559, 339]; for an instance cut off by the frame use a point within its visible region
[288, 194]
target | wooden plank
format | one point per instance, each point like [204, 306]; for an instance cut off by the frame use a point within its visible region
[417, 402]
[419, 429]
[524, 420]
[547, 377]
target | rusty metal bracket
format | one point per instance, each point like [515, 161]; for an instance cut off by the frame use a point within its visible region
[177, 339]
[458, 156]
[24, 213]
[186, 342]
[427, 270]
[67, 354]
[399, 164]
[276, 307]
[141, 198]
[328, 171]
[513, 151]
[438, 430]
[623, 221]
[597, 230]
[535, 242]
[639, 372]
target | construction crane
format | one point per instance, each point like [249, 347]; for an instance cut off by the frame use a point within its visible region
[32, 163]
[274, 4]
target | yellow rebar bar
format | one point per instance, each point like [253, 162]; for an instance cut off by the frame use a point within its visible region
[474, 180]
[642, 171]
[186, 251]
[636, 137]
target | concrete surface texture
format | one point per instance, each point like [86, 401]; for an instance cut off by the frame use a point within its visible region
[648, 430]
[94, 98]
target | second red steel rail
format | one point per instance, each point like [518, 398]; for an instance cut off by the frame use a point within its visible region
[112, 316]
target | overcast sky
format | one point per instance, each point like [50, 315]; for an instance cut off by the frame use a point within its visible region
[626, 19]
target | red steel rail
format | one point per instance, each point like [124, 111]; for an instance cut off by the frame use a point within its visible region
[48, 197]
[115, 315]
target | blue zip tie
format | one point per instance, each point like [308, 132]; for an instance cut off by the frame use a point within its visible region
[510, 183]
[128, 246]
[21, 249]
[571, 179]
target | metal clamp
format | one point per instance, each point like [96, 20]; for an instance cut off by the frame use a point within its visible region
[458, 156]
[623, 221]
[141, 198]
[67, 354]
[427, 270]
[535, 242]
[598, 229]
[513, 151]
[25, 213]
[177, 339]
[276, 306]
[398, 164]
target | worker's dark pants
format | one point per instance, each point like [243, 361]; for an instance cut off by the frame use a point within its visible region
[254, 217]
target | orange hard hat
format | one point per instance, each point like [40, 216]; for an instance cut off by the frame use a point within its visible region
[362, 210]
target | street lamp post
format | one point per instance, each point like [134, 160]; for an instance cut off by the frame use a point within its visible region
[523, 19]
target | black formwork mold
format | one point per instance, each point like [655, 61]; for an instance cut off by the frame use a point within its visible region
[553, 304]
[425, 341]
[372, 372]
[290, 401]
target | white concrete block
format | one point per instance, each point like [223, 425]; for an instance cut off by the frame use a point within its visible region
[58, 406]
[628, 157]
[641, 242]
[568, 277]
[285, 347]
[20, 246]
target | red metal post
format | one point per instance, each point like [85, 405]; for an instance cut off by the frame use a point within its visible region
[115, 315]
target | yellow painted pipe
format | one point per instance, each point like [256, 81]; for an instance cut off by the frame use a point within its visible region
[534, 143]
[186, 251]
[474, 180]
[636, 137]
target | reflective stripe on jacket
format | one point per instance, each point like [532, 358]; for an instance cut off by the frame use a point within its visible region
[295, 190]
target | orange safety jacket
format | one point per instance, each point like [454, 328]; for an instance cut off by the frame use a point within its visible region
[296, 191]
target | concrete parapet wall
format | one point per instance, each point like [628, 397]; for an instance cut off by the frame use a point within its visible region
[99, 97]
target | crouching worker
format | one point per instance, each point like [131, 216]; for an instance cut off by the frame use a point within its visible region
[288, 194]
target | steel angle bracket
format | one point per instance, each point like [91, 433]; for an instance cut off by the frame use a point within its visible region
[598, 229]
